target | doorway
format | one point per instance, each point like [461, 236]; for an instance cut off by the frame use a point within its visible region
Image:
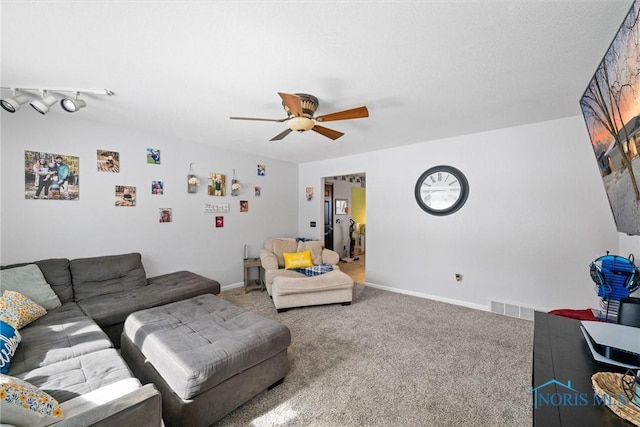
[344, 219]
[328, 216]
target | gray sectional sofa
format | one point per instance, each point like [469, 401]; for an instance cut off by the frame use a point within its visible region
[70, 352]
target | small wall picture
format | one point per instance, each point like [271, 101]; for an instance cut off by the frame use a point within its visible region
[51, 176]
[108, 161]
[153, 156]
[217, 184]
[125, 195]
[244, 206]
[166, 214]
[257, 191]
[157, 187]
[219, 221]
[261, 170]
[308, 193]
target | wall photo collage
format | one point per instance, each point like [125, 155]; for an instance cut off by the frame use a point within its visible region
[54, 176]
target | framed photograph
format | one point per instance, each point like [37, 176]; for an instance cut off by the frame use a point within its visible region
[108, 161]
[166, 214]
[50, 176]
[257, 191]
[309, 193]
[219, 221]
[157, 187]
[217, 184]
[125, 195]
[244, 206]
[153, 156]
[342, 207]
[261, 170]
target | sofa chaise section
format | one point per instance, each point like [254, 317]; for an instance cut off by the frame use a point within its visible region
[109, 288]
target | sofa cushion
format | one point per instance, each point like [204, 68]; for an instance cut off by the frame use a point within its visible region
[80, 375]
[30, 282]
[103, 275]
[297, 260]
[114, 308]
[9, 340]
[18, 310]
[315, 246]
[280, 246]
[64, 333]
[24, 404]
[57, 274]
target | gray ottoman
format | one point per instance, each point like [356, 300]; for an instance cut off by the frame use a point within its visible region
[205, 355]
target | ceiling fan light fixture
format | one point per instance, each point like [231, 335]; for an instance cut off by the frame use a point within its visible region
[43, 104]
[300, 124]
[14, 103]
[71, 105]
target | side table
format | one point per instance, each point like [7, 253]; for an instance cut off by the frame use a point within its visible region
[253, 284]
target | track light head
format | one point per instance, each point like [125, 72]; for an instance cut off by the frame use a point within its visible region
[71, 105]
[42, 105]
[14, 103]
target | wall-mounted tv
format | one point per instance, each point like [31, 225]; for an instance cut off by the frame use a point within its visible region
[611, 109]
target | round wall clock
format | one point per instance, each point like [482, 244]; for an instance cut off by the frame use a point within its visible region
[441, 190]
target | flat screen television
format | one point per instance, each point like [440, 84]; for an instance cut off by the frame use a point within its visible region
[611, 109]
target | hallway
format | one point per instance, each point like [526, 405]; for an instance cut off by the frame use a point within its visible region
[355, 269]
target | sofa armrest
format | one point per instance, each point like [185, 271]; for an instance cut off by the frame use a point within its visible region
[268, 260]
[330, 257]
[118, 404]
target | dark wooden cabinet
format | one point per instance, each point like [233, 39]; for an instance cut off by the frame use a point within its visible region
[560, 355]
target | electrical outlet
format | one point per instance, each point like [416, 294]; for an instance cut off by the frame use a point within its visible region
[458, 277]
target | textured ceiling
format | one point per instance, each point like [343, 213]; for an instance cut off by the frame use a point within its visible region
[425, 70]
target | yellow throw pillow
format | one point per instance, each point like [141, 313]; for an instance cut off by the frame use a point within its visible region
[297, 260]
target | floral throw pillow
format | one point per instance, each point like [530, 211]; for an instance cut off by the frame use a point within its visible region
[18, 310]
[22, 403]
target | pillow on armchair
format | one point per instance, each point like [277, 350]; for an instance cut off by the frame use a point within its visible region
[315, 246]
[297, 260]
[280, 246]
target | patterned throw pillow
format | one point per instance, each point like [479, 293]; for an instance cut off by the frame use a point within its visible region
[9, 340]
[297, 260]
[22, 403]
[18, 310]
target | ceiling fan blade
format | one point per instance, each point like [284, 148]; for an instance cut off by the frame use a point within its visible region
[354, 113]
[329, 133]
[293, 102]
[281, 135]
[262, 120]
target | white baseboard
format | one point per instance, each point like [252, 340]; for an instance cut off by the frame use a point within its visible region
[232, 286]
[433, 297]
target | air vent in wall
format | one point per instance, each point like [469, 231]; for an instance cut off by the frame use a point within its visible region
[512, 310]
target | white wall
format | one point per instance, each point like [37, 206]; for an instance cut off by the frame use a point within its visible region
[91, 226]
[536, 216]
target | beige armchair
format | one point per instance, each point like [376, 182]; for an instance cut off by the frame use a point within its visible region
[289, 288]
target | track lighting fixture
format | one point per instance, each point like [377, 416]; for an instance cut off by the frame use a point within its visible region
[14, 103]
[72, 105]
[42, 105]
[47, 99]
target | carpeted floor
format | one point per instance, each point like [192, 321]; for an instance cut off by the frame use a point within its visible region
[394, 360]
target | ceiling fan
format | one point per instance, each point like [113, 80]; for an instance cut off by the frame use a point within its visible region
[300, 108]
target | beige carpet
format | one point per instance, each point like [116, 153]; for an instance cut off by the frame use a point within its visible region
[394, 360]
